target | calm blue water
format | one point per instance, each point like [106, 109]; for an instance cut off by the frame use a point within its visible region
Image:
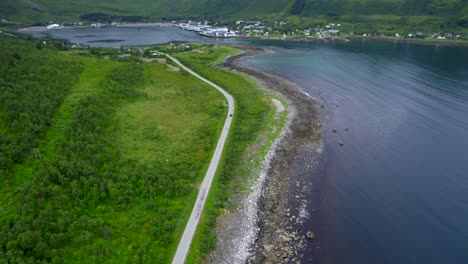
[397, 191]
[114, 37]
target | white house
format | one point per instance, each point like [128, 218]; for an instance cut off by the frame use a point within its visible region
[53, 26]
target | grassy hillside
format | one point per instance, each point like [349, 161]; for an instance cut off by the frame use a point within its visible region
[387, 16]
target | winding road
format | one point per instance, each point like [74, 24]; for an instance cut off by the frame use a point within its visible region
[184, 244]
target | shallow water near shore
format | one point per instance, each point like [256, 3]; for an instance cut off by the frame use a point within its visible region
[396, 191]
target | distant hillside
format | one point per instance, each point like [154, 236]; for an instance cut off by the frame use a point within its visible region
[71, 10]
[454, 8]
[446, 12]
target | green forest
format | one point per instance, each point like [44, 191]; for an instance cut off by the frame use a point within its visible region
[101, 157]
[73, 176]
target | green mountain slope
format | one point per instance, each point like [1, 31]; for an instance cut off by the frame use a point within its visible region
[71, 10]
[437, 13]
[372, 7]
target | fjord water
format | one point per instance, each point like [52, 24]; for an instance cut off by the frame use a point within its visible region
[114, 37]
[397, 190]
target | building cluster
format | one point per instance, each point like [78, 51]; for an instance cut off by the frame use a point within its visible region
[282, 30]
[203, 28]
[253, 28]
[436, 35]
[100, 25]
[421, 35]
[329, 30]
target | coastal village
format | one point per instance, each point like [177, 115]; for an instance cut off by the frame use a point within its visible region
[270, 30]
[281, 30]
[204, 29]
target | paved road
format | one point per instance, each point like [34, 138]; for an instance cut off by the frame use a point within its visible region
[184, 244]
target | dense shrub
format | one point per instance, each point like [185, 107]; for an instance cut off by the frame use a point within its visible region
[32, 86]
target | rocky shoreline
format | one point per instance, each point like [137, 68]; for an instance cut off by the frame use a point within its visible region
[276, 240]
